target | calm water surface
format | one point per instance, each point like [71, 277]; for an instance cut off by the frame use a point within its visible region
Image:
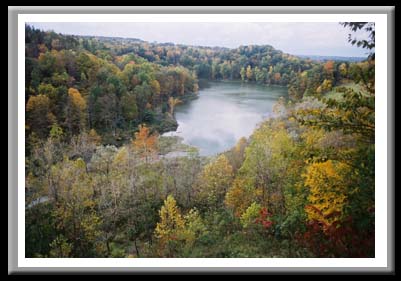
[223, 113]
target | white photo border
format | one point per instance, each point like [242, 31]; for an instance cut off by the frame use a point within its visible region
[381, 256]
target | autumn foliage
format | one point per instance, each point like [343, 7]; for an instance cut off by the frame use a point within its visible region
[328, 191]
[302, 185]
[171, 223]
[264, 218]
[145, 143]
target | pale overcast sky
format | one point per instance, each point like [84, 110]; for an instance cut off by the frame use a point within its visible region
[330, 39]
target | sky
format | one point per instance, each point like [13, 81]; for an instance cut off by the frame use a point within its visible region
[324, 39]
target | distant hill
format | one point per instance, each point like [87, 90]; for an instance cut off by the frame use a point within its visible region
[334, 58]
[111, 39]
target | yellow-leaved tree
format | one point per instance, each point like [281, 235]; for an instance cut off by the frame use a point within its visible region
[327, 184]
[240, 195]
[177, 233]
[249, 73]
[75, 111]
[172, 102]
[170, 227]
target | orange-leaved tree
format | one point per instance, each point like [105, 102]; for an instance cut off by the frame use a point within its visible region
[144, 143]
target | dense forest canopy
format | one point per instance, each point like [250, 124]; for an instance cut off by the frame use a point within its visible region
[97, 184]
[127, 82]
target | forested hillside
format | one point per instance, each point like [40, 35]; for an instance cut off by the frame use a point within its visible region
[98, 184]
[112, 85]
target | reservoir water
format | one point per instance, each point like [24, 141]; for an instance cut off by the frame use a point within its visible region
[223, 113]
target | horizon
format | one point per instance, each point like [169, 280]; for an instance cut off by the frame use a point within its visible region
[202, 46]
[299, 39]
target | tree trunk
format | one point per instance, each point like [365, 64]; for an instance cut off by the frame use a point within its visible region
[136, 248]
[108, 248]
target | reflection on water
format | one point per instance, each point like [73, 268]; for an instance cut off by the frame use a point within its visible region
[223, 113]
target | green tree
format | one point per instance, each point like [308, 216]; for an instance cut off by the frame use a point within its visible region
[75, 213]
[129, 108]
[243, 73]
[250, 215]
[368, 27]
[259, 75]
[214, 182]
[60, 248]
